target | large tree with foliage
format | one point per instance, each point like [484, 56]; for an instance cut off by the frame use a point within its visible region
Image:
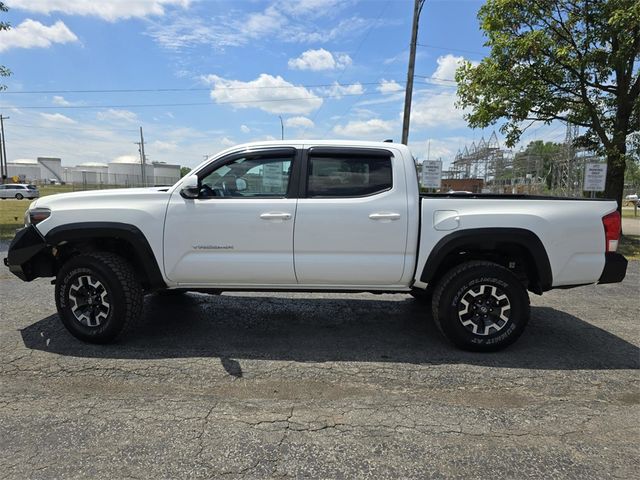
[540, 151]
[576, 61]
[4, 71]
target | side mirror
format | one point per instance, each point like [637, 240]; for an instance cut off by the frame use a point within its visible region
[190, 187]
[241, 184]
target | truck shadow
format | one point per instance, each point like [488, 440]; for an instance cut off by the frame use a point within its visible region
[312, 329]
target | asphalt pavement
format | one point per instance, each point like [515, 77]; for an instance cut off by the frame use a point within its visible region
[320, 386]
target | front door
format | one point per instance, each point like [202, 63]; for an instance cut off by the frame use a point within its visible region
[239, 231]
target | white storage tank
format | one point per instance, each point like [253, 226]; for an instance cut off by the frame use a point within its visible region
[25, 169]
[50, 168]
[125, 171]
[165, 173]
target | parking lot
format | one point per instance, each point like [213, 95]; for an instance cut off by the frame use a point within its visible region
[323, 386]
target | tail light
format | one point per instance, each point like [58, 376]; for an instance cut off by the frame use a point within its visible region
[612, 228]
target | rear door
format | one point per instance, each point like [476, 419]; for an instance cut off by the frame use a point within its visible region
[352, 219]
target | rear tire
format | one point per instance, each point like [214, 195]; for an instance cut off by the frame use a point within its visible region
[481, 306]
[98, 297]
[19, 196]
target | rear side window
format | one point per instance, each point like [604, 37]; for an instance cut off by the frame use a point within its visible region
[347, 175]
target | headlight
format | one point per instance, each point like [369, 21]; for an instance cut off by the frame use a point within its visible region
[36, 215]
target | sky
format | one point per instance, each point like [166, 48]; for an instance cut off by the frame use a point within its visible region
[202, 75]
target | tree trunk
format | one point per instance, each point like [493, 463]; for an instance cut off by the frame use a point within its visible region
[616, 165]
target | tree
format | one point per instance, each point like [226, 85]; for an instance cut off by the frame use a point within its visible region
[184, 171]
[575, 61]
[545, 151]
[4, 71]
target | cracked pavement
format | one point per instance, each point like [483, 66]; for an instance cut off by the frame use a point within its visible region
[268, 385]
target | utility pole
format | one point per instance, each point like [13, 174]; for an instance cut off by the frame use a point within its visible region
[281, 128]
[142, 158]
[4, 169]
[417, 8]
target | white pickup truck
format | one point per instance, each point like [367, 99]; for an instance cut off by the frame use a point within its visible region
[315, 216]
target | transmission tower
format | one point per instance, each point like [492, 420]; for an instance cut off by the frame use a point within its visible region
[566, 176]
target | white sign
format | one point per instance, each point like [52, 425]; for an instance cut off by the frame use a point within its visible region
[272, 175]
[595, 175]
[431, 173]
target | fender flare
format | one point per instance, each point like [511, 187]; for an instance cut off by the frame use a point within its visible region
[113, 230]
[489, 239]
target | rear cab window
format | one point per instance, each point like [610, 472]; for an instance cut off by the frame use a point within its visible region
[333, 174]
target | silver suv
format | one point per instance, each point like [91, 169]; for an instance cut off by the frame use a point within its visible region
[18, 191]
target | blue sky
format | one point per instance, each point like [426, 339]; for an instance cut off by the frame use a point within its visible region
[329, 68]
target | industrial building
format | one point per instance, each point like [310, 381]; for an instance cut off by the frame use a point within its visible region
[122, 171]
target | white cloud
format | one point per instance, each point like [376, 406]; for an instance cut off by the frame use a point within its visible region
[114, 115]
[63, 102]
[268, 93]
[57, 118]
[389, 86]
[244, 129]
[185, 32]
[110, 10]
[258, 24]
[316, 7]
[446, 71]
[162, 146]
[58, 100]
[311, 33]
[320, 59]
[227, 142]
[336, 90]
[437, 108]
[365, 128]
[291, 22]
[30, 34]
[299, 122]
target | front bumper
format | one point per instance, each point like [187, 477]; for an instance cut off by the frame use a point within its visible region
[615, 268]
[28, 255]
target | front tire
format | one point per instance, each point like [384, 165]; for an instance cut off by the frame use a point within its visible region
[481, 306]
[19, 196]
[98, 297]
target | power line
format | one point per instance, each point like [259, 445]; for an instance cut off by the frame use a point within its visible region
[196, 89]
[451, 49]
[191, 104]
[436, 79]
[357, 51]
[72, 127]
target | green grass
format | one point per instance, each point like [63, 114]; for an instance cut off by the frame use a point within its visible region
[12, 211]
[630, 247]
[627, 212]
[11, 217]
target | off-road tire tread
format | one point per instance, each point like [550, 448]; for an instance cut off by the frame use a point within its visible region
[131, 288]
[133, 293]
[448, 278]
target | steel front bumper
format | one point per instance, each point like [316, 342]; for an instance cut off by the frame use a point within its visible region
[28, 255]
[615, 268]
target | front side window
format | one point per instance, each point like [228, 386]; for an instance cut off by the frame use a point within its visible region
[253, 176]
[348, 176]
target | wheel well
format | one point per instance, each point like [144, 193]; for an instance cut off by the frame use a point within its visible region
[517, 249]
[513, 256]
[119, 246]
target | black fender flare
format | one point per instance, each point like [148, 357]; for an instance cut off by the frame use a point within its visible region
[489, 239]
[113, 230]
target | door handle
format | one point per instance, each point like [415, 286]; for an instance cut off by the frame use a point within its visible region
[275, 216]
[385, 217]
